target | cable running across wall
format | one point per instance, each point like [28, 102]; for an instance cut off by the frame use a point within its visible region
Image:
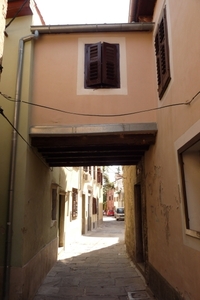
[103, 115]
[74, 113]
[33, 150]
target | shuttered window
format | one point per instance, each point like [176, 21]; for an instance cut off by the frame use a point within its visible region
[102, 65]
[94, 206]
[162, 55]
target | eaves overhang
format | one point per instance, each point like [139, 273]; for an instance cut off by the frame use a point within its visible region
[84, 28]
[18, 8]
[141, 10]
[99, 145]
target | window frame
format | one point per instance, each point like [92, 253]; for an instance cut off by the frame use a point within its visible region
[189, 231]
[161, 45]
[102, 66]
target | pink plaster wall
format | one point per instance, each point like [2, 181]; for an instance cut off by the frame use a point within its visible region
[172, 252]
[56, 71]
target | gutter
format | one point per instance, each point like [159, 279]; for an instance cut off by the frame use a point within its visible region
[8, 248]
[118, 27]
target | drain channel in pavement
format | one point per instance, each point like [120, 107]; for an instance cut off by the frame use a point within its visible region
[139, 295]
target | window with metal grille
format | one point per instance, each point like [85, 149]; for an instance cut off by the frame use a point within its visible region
[162, 55]
[102, 66]
[189, 157]
[74, 204]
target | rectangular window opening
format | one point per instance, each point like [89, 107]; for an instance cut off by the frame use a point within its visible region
[189, 158]
[102, 66]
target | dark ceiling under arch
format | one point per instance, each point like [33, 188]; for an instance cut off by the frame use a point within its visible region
[99, 145]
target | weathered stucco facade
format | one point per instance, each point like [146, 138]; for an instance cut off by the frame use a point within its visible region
[57, 112]
[42, 209]
[173, 245]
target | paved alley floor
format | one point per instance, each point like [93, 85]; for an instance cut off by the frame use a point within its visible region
[96, 267]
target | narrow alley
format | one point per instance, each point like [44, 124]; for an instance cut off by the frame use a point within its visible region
[95, 267]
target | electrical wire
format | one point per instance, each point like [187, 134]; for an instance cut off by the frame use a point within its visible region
[81, 114]
[102, 115]
[2, 113]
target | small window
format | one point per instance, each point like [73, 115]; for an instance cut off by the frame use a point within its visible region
[162, 55]
[102, 66]
[189, 156]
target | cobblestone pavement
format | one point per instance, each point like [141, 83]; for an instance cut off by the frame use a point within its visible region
[95, 268]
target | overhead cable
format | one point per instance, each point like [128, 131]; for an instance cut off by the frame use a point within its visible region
[103, 115]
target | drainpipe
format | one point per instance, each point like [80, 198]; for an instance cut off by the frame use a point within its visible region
[8, 247]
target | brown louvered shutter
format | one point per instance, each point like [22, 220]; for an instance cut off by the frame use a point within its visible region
[162, 55]
[110, 64]
[93, 64]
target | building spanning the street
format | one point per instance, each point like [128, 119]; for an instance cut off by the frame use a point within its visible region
[78, 97]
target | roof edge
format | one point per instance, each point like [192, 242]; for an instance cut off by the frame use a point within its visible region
[84, 28]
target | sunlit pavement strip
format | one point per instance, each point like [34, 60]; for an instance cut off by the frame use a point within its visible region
[96, 267]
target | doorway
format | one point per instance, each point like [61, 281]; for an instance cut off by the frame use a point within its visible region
[89, 216]
[61, 220]
[83, 231]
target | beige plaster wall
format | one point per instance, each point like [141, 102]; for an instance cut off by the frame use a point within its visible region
[58, 80]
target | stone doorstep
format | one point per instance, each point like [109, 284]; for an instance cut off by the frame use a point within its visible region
[138, 295]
